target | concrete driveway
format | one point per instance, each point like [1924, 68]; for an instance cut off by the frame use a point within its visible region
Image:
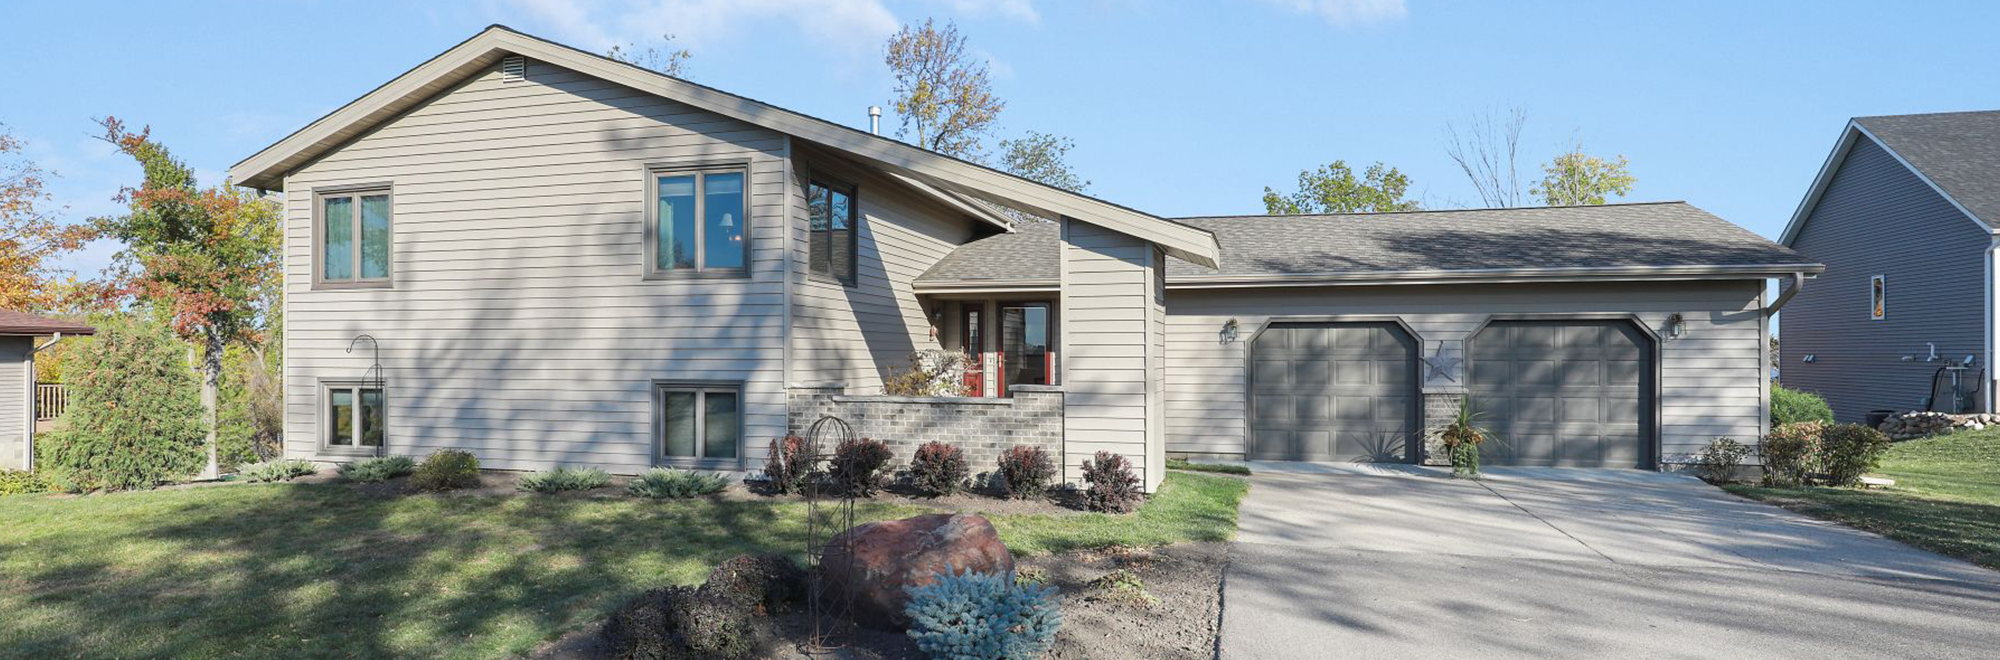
[1360, 562]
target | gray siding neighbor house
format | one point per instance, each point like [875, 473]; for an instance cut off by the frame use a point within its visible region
[18, 331]
[547, 257]
[1898, 215]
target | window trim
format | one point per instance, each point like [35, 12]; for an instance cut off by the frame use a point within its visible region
[652, 231]
[1878, 283]
[661, 387]
[356, 191]
[854, 220]
[323, 434]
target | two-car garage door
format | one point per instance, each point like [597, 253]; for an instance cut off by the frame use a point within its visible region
[1567, 393]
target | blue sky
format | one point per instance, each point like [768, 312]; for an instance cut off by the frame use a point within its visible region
[1177, 108]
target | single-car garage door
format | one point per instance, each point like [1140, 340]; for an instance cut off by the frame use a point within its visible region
[1564, 393]
[1333, 392]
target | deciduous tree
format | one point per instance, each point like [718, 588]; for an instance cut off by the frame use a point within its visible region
[206, 257]
[942, 93]
[1043, 157]
[1487, 149]
[30, 233]
[664, 58]
[1334, 189]
[1579, 179]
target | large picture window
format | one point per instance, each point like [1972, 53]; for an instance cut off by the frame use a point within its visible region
[354, 238]
[697, 224]
[700, 423]
[354, 417]
[834, 230]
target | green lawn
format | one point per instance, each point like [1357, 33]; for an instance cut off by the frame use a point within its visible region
[325, 571]
[1946, 498]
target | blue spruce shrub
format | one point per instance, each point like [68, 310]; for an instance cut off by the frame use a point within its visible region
[983, 616]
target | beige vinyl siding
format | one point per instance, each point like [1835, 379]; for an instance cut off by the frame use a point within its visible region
[1710, 379]
[16, 401]
[856, 334]
[1109, 295]
[518, 325]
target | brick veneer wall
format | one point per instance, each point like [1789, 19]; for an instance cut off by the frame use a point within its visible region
[983, 427]
[1440, 410]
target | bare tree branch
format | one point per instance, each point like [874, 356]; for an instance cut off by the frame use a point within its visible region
[1488, 151]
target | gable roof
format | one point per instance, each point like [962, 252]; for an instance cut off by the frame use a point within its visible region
[23, 324]
[1662, 240]
[267, 168]
[1955, 153]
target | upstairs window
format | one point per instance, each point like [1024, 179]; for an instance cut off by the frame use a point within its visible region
[834, 231]
[354, 238]
[1878, 297]
[697, 225]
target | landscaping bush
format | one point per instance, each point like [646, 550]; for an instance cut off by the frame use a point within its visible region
[857, 466]
[931, 373]
[564, 478]
[939, 469]
[1111, 486]
[134, 418]
[21, 482]
[768, 583]
[1463, 437]
[1026, 471]
[680, 623]
[1124, 586]
[447, 469]
[789, 464]
[250, 406]
[1848, 451]
[1718, 462]
[1790, 406]
[382, 468]
[671, 484]
[981, 616]
[1789, 453]
[276, 470]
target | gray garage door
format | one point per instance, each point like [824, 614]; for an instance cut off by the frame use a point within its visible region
[1564, 393]
[1333, 392]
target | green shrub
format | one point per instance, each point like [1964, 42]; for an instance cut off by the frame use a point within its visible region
[447, 469]
[789, 465]
[1110, 485]
[1124, 585]
[680, 623]
[1848, 451]
[134, 418]
[1789, 453]
[981, 616]
[1790, 406]
[671, 484]
[856, 468]
[1025, 472]
[939, 469]
[381, 468]
[767, 583]
[564, 478]
[276, 470]
[250, 406]
[1463, 437]
[1719, 460]
[21, 482]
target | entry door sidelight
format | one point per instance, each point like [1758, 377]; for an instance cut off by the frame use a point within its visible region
[973, 342]
[1025, 351]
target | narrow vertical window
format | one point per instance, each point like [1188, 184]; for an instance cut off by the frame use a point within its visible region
[834, 231]
[1878, 297]
[355, 238]
[698, 223]
[700, 423]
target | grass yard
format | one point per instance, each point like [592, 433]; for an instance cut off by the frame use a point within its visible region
[1946, 498]
[327, 571]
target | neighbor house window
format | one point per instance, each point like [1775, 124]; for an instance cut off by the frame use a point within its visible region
[353, 417]
[697, 223]
[1878, 297]
[832, 242]
[700, 422]
[354, 237]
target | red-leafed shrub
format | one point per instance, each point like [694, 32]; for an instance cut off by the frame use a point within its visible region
[1026, 471]
[1112, 487]
[789, 464]
[939, 469]
[857, 466]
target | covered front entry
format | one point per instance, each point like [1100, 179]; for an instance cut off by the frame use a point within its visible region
[1572, 393]
[1333, 392]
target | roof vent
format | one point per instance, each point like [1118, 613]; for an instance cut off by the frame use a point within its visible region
[513, 69]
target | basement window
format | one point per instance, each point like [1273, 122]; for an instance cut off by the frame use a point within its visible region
[1878, 297]
[353, 417]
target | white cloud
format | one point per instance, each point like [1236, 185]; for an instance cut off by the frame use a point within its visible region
[857, 26]
[1021, 10]
[1347, 13]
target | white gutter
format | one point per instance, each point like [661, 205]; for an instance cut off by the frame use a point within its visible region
[1991, 307]
[1785, 296]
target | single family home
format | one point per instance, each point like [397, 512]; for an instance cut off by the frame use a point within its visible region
[548, 257]
[24, 402]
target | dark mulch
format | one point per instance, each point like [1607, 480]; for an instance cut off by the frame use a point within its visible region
[980, 500]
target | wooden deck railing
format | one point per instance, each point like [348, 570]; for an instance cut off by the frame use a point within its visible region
[49, 401]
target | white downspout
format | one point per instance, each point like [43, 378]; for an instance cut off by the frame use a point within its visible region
[1991, 307]
[28, 435]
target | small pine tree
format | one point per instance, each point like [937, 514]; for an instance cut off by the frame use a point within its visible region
[134, 418]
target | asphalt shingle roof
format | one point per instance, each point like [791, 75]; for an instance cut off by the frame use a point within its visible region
[18, 324]
[1960, 151]
[1665, 234]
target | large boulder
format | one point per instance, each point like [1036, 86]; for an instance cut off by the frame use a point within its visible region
[888, 557]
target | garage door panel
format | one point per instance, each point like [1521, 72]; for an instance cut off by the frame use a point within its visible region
[1311, 372]
[1582, 373]
[1535, 372]
[1312, 408]
[1333, 391]
[1569, 393]
[1272, 372]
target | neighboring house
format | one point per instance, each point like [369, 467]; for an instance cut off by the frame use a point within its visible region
[545, 257]
[18, 331]
[1902, 215]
